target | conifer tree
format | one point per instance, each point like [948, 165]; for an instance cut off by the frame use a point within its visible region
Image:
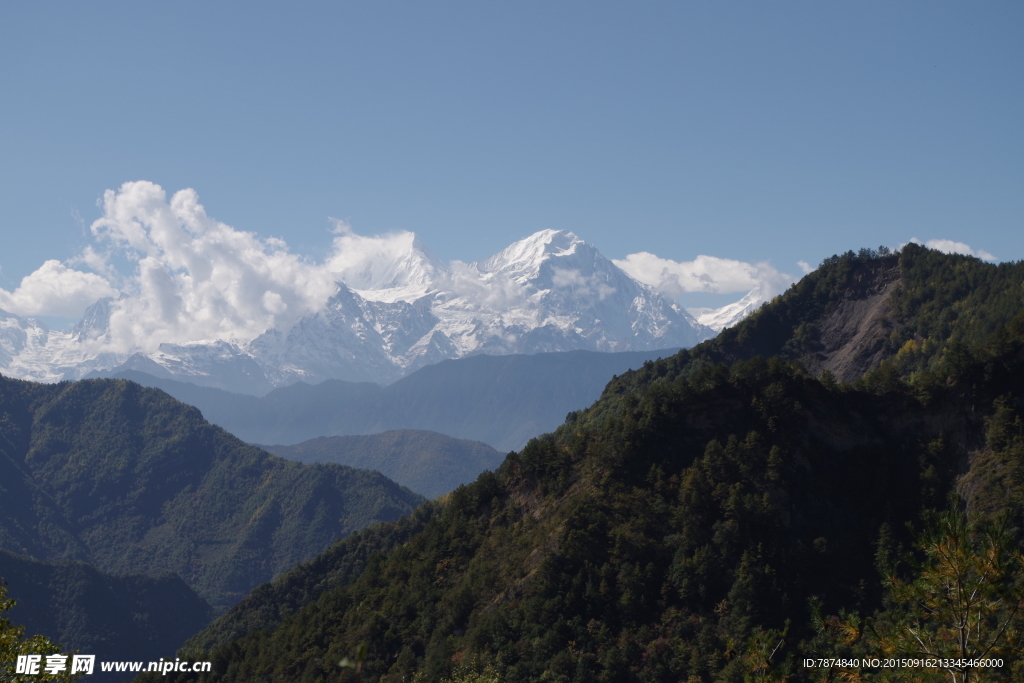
[959, 614]
[963, 607]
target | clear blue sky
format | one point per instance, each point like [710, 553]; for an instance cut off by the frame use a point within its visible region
[760, 130]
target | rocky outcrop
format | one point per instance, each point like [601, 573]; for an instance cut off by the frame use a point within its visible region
[852, 336]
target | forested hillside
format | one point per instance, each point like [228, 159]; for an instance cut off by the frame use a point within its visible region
[857, 310]
[697, 522]
[131, 481]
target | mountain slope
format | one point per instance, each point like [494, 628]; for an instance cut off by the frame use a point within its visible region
[268, 604]
[500, 400]
[836, 318]
[655, 535]
[426, 462]
[131, 481]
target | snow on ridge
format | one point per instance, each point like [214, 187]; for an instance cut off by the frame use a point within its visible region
[719, 319]
[523, 259]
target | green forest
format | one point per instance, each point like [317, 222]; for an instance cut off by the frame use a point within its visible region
[776, 496]
[129, 480]
[127, 521]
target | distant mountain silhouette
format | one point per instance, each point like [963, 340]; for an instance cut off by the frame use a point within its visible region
[426, 462]
[500, 400]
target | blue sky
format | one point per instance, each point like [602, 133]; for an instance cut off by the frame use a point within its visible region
[752, 131]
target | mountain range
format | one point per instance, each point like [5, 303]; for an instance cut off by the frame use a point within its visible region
[689, 525]
[391, 315]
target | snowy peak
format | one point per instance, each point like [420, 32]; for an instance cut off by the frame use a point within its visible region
[719, 319]
[522, 260]
[95, 322]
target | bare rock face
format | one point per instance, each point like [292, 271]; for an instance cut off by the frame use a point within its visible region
[842, 322]
[852, 335]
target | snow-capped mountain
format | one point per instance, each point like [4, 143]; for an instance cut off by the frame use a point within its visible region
[394, 312]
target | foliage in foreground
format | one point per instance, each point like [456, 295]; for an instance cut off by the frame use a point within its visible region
[961, 606]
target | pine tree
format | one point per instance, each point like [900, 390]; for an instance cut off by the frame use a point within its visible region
[964, 605]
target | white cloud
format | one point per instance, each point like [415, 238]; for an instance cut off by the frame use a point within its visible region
[805, 266]
[395, 259]
[196, 278]
[56, 290]
[581, 285]
[495, 291]
[705, 274]
[953, 247]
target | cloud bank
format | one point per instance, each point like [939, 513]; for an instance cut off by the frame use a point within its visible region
[196, 278]
[54, 289]
[707, 274]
